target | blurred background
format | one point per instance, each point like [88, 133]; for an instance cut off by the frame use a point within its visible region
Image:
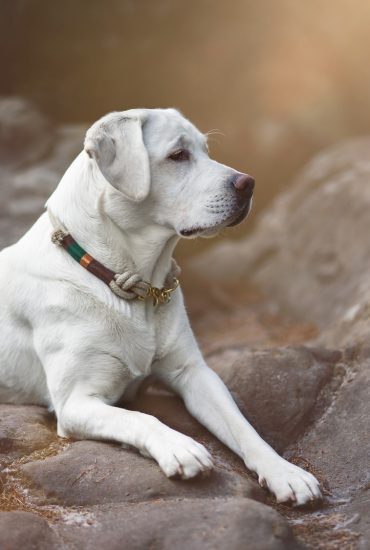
[278, 79]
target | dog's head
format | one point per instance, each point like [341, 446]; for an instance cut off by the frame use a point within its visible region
[159, 161]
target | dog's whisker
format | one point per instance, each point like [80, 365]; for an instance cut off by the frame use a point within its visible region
[215, 131]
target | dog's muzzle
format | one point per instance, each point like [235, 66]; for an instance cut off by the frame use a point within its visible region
[243, 185]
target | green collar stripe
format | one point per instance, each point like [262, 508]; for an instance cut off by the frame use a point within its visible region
[75, 250]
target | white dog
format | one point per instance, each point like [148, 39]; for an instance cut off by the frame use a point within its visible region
[76, 341]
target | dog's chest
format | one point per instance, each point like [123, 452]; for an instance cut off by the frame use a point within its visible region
[142, 337]
[137, 334]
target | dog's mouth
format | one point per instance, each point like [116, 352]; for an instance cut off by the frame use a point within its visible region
[210, 231]
[195, 231]
[242, 215]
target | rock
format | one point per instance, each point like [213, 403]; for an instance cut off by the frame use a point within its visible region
[339, 442]
[199, 524]
[337, 447]
[235, 314]
[34, 155]
[310, 253]
[309, 250]
[26, 135]
[26, 530]
[96, 473]
[24, 429]
[358, 517]
[281, 390]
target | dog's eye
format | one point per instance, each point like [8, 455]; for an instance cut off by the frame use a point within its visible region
[180, 155]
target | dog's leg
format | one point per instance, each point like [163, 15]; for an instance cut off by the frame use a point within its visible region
[207, 399]
[86, 415]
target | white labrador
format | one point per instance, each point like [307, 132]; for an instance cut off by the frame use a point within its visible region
[68, 342]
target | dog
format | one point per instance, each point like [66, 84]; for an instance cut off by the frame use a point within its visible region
[77, 340]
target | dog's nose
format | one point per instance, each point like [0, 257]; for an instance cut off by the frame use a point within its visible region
[244, 183]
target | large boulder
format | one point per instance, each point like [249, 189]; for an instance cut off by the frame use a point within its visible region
[280, 390]
[23, 430]
[337, 442]
[310, 254]
[34, 154]
[310, 250]
[26, 135]
[26, 530]
[200, 524]
[96, 493]
[90, 472]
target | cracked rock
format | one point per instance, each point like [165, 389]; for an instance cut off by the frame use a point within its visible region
[200, 524]
[26, 530]
[91, 472]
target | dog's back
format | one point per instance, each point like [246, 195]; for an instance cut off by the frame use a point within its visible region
[22, 378]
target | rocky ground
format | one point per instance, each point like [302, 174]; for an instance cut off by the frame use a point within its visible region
[288, 334]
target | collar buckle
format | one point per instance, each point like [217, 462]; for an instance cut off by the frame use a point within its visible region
[160, 295]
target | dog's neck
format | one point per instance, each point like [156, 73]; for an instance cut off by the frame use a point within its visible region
[105, 224]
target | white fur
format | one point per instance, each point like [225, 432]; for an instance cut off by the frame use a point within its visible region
[67, 342]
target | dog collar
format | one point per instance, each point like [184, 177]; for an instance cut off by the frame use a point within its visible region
[127, 285]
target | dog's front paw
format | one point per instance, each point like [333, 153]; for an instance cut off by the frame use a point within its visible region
[178, 455]
[289, 483]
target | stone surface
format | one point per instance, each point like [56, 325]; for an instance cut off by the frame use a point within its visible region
[310, 253]
[26, 135]
[234, 313]
[25, 530]
[339, 444]
[91, 472]
[211, 524]
[309, 250]
[358, 516]
[33, 156]
[24, 429]
[279, 390]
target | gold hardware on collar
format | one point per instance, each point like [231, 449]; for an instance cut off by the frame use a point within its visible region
[160, 295]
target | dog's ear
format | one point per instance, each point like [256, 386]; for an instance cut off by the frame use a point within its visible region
[116, 144]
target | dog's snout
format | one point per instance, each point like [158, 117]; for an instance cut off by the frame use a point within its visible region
[244, 183]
